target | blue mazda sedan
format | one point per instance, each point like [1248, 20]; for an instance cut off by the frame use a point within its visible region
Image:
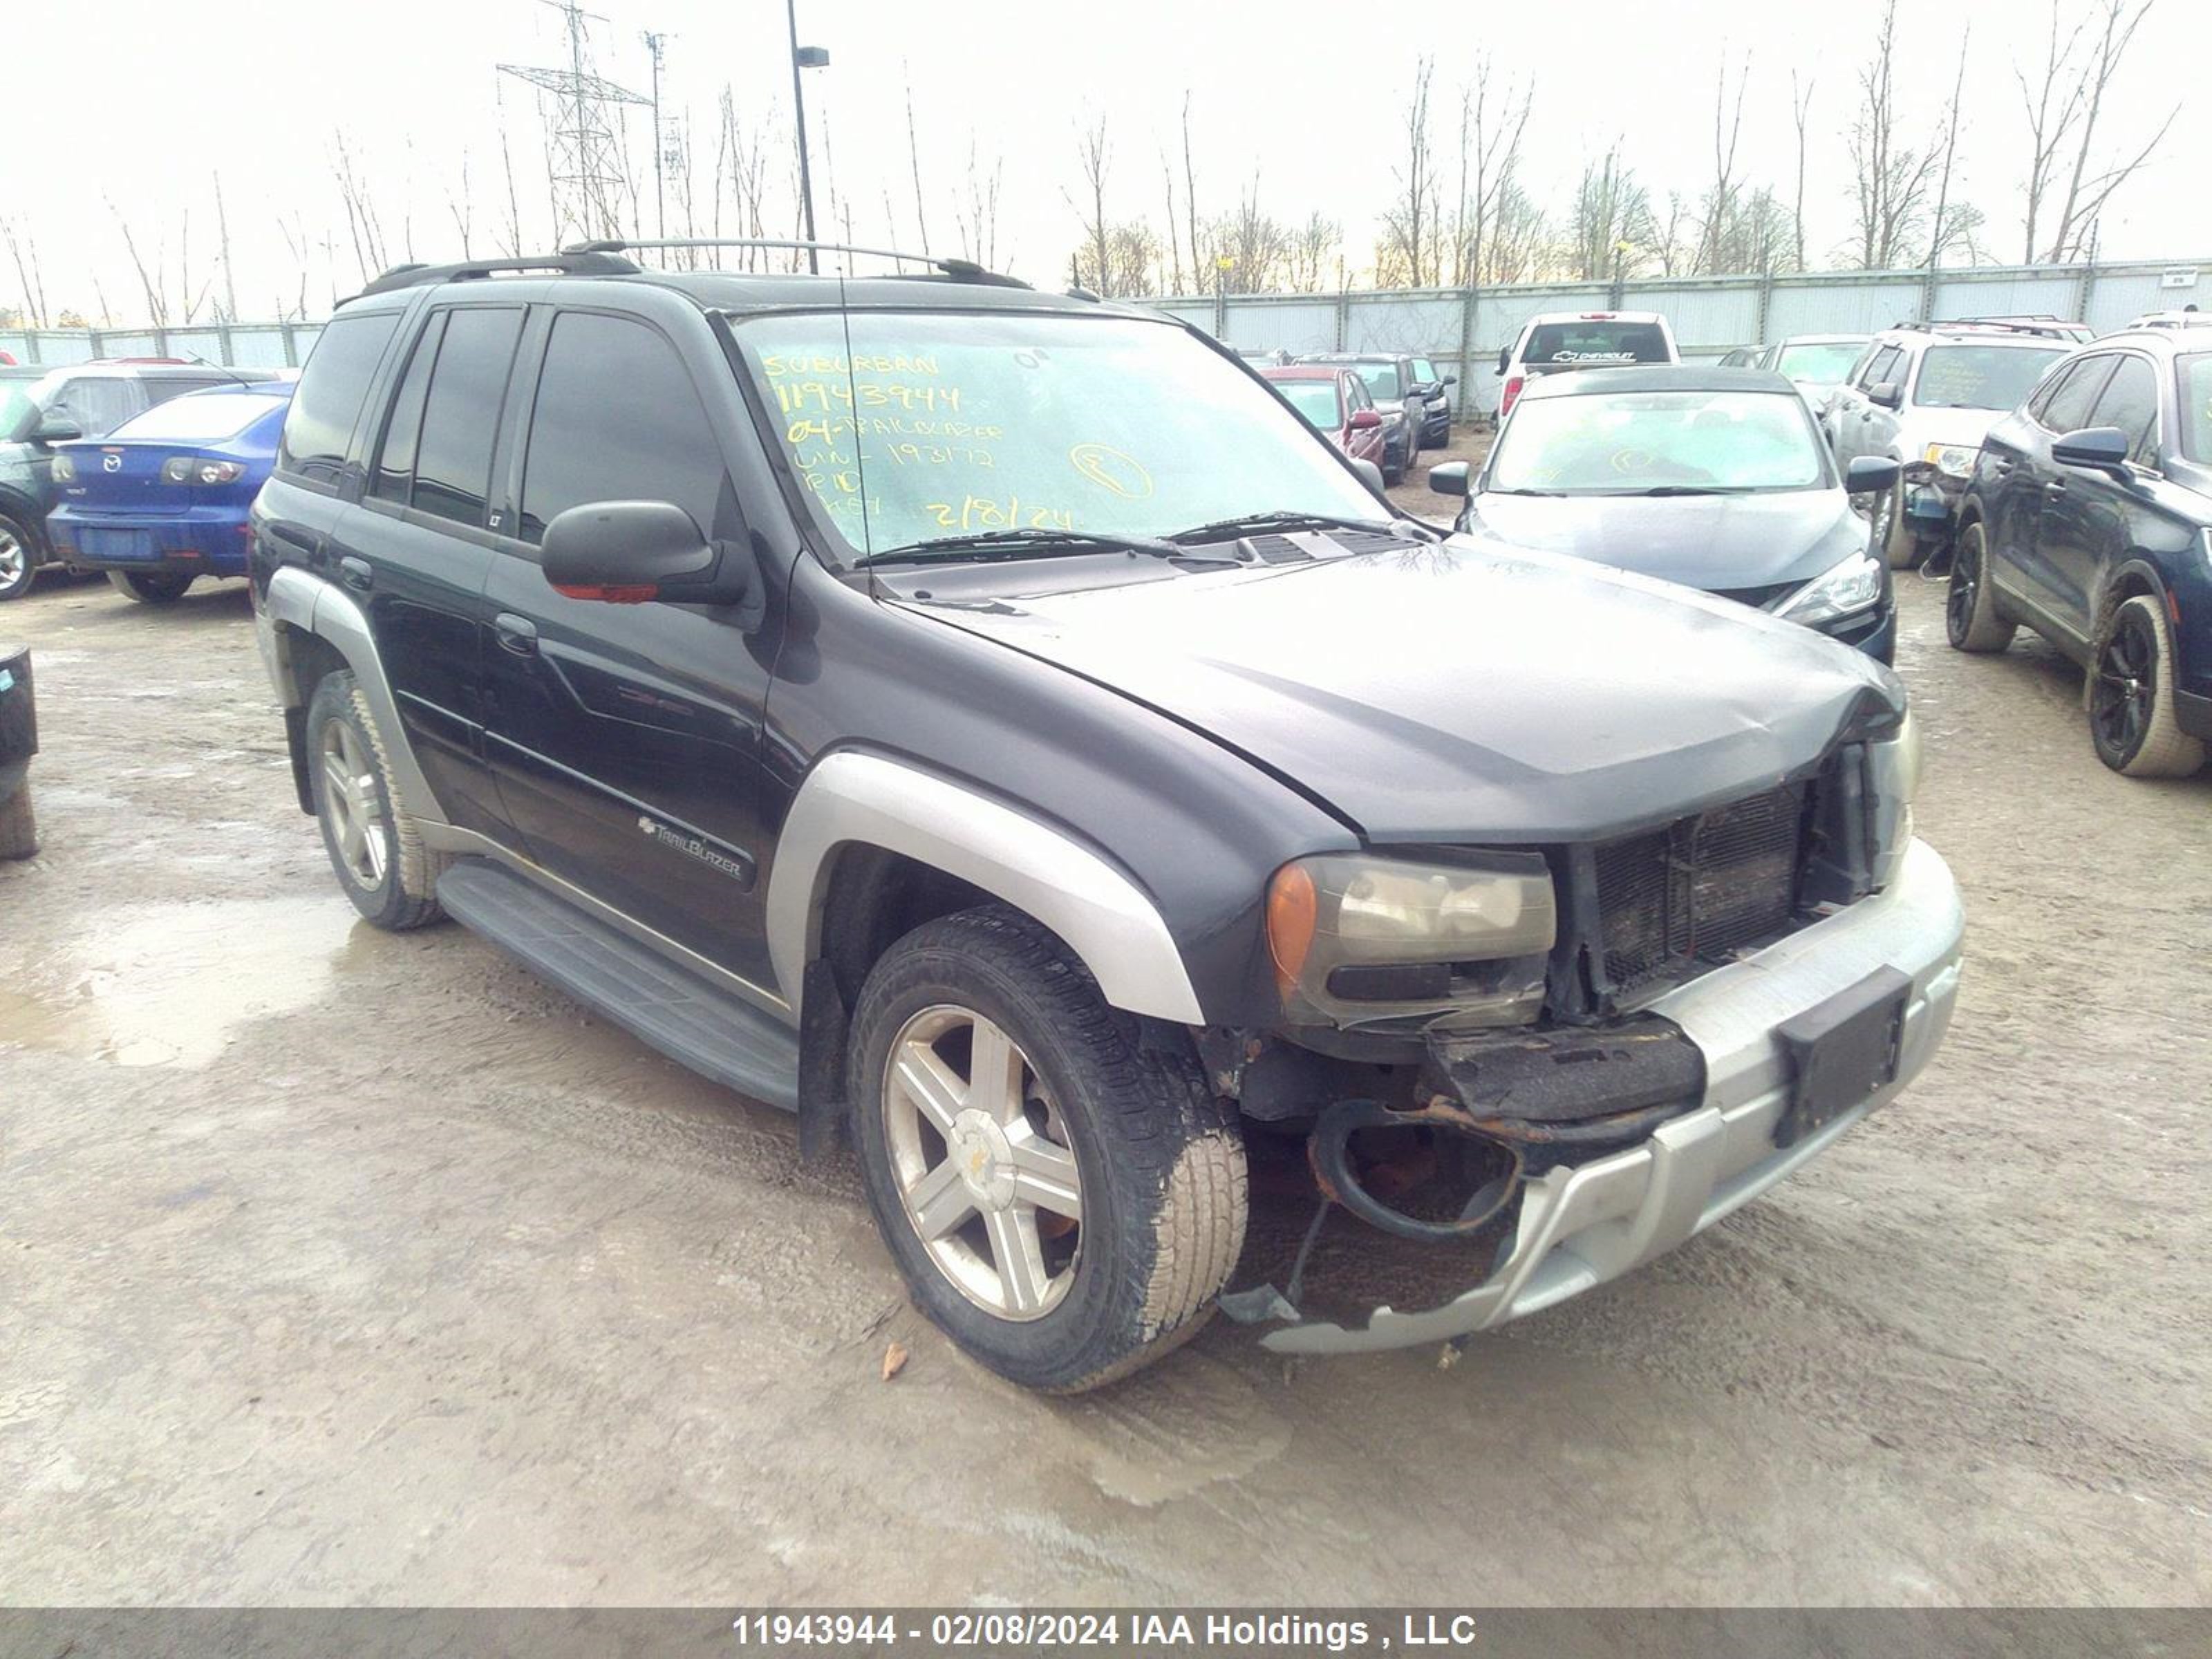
[162, 499]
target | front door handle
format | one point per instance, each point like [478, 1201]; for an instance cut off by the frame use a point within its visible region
[357, 574]
[2055, 487]
[517, 635]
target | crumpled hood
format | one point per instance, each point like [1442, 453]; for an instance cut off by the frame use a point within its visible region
[1703, 541]
[1461, 691]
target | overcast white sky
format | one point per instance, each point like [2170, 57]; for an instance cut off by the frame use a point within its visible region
[141, 104]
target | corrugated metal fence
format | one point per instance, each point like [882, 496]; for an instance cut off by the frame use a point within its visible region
[1463, 326]
[1711, 315]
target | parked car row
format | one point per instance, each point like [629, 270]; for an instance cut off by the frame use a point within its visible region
[1410, 397]
[156, 496]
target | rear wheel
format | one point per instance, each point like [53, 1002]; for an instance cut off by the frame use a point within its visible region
[1970, 608]
[149, 587]
[2131, 694]
[19, 559]
[1063, 1198]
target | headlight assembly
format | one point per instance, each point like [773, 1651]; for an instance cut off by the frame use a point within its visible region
[1953, 460]
[1362, 941]
[1849, 585]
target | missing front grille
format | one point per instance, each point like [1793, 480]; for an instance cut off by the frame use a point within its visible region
[1701, 887]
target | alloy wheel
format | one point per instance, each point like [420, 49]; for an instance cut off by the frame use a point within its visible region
[2127, 681]
[14, 561]
[355, 809]
[1966, 588]
[981, 1162]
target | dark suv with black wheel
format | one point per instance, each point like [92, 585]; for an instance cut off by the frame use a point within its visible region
[2089, 519]
[996, 727]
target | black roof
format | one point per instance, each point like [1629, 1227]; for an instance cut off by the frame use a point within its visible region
[1656, 377]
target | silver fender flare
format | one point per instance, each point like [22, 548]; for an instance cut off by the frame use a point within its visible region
[1104, 917]
[298, 599]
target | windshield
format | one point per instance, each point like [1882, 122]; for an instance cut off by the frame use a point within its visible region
[1424, 372]
[1589, 341]
[1316, 400]
[1381, 380]
[1827, 364]
[1980, 377]
[946, 423]
[2195, 387]
[205, 418]
[1632, 443]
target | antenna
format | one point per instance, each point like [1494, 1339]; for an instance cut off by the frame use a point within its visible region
[583, 156]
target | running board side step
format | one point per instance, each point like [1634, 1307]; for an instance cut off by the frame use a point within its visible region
[718, 1035]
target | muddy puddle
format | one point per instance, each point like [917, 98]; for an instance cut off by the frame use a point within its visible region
[171, 984]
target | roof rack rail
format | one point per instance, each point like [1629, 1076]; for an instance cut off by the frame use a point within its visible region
[2042, 325]
[960, 270]
[569, 262]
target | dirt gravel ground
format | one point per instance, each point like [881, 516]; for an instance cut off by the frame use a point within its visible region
[338, 1266]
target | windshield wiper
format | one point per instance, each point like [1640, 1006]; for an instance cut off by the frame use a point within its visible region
[1696, 489]
[1524, 492]
[1250, 522]
[1015, 544]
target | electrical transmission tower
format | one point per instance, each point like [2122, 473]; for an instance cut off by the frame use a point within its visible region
[584, 154]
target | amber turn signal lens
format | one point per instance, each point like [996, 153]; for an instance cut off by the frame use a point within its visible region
[1292, 910]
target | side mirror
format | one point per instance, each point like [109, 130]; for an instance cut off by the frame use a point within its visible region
[1870, 475]
[1505, 358]
[1450, 379]
[1365, 420]
[2099, 448]
[1886, 394]
[630, 552]
[1448, 479]
[56, 429]
[1370, 475]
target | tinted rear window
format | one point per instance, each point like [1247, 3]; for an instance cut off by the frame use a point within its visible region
[1591, 343]
[331, 390]
[452, 460]
[199, 419]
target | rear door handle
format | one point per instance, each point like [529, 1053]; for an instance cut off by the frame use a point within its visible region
[517, 635]
[357, 574]
[2055, 487]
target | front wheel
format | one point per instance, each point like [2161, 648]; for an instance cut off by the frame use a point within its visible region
[1063, 1197]
[2130, 695]
[149, 587]
[19, 559]
[376, 849]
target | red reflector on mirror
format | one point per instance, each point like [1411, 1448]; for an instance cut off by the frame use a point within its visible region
[625, 593]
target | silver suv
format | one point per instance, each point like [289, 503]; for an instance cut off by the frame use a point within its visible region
[1924, 395]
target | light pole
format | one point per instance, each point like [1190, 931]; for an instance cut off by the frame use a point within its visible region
[804, 57]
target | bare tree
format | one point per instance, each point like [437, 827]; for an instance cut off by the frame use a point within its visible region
[1259, 244]
[222, 244]
[977, 217]
[1721, 197]
[1611, 218]
[1198, 260]
[1491, 120]
[1891, 175]
[1094, 151]
[23, 253]
[1940, 237]
[1309, 252]
[1409, 225]
[1800, 105]
[149, 279]
[362, 220]
[913, 162]
[1174, 240]
[510, 239]
[2090, 182]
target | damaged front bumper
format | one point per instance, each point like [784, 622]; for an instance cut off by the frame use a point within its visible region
[1582, 1224]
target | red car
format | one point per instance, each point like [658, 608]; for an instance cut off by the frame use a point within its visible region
[1335, 404]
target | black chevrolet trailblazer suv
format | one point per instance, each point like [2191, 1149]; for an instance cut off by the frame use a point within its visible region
[996, 727]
